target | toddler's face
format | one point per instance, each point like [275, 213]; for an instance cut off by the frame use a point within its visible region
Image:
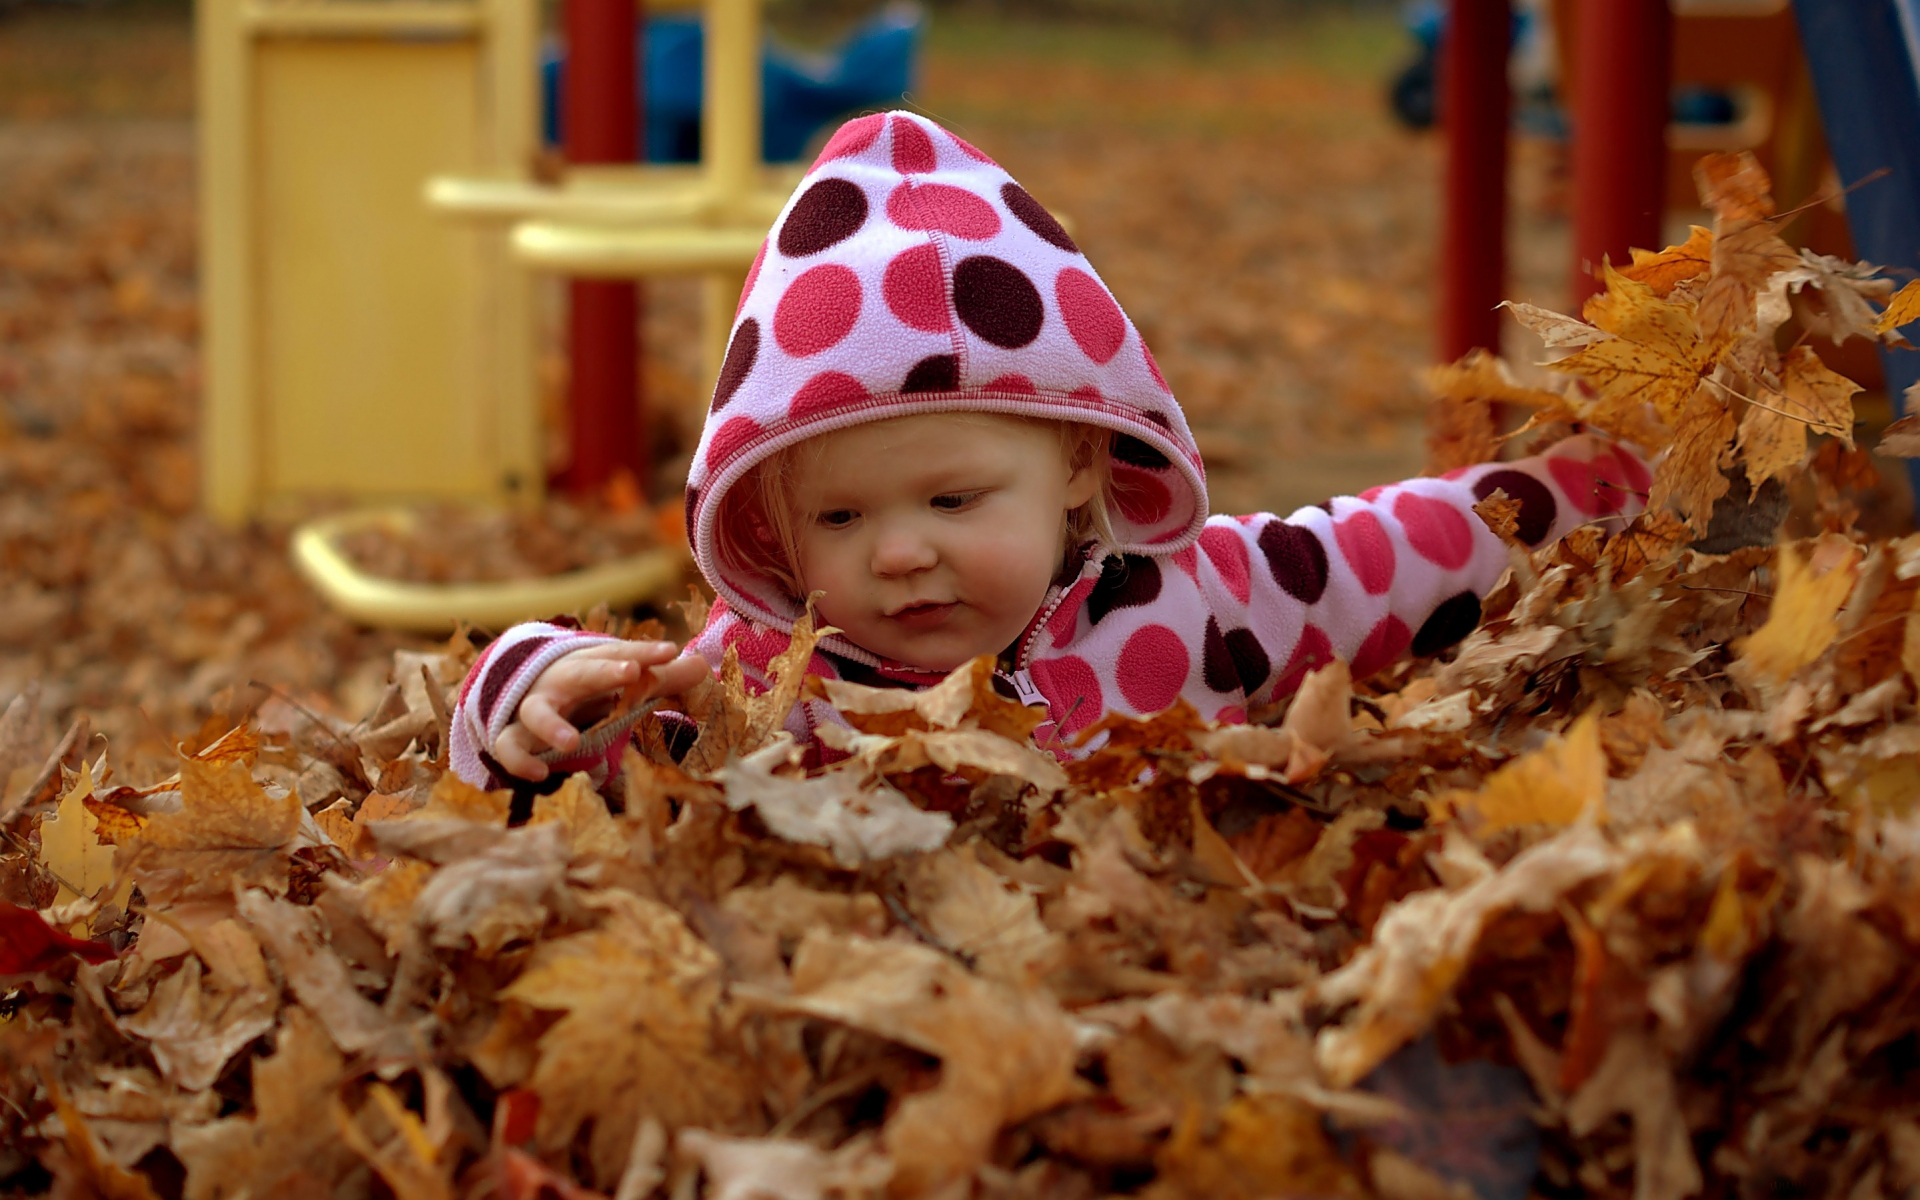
[935, 537]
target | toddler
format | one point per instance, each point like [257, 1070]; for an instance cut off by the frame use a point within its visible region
[934, 413]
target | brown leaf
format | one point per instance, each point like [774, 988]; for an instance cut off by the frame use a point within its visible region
[638, 1037]
[1901, 439]
[1501, 513]
[227, 833]
[1006, 1053]
[1654, 538]
[1801, 624]
[287, 1146]
[1902, 309]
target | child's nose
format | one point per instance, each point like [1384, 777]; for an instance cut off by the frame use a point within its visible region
[902, 551]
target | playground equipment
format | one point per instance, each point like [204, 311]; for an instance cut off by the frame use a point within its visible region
[801, 94]
[358, 347]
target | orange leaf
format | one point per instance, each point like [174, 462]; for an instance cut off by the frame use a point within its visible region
[1662, 270]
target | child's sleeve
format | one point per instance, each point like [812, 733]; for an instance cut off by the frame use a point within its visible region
[1397, 569]
[491, 693]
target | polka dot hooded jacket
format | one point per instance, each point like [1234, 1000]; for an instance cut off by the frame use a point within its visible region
[910, 274]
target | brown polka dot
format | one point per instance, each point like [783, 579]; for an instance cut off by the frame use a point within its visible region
[1450, 623]
[693, 506]
[1297, 560]
[1137, 453]
[935, 373]
[1234, 661]
[826, 214]
[1126, 581]
[1035, 216]
[997, 301]
[741, 355]
[1537, 507]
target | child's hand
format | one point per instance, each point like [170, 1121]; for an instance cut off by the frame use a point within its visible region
[572, 681]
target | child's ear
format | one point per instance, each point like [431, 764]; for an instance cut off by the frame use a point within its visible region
[1081, 485]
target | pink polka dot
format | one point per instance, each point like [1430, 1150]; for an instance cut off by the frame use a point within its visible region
[753, 274]
[1313, 651]
[1072, 691]
[916, 290]
[967, 149]
[1153, 368]
[730, 438]
[1232, 714]
[944, 207]
[1373, 493]
[818, 310]
[1368, 550]
[825, 392]
[912, 148]
[1576, 480]
[853, 137]
[1087, 394]
[1456, 473]
[1095, 321]
[1388, 641]
[1066, 618]
[1633, 472]
[1140, 497]
[818, 665]
[1153, 668]
[1435, 529]
[1018, 384]
[1228, 554]
[1188, 560]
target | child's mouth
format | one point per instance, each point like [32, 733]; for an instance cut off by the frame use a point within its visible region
[921, 616]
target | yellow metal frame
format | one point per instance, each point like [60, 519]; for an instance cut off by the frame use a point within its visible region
[431, 608]
[326, 316]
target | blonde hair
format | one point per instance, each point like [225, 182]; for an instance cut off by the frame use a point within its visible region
[757, 530]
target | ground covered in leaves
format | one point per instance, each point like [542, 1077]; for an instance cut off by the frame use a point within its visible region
[1619, 898]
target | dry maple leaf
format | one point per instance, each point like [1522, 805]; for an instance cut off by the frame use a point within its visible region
[1006, 1053]
[1654, 538]
[227, 833]
[1902, 309]
[638, 1037]
[1501, 513]
[1558, 784]
[1900, 439]
[1460, 426]
[1260, 1146]
[193, 1029]
[71, 848]
[857, 819]
[1690, 478]
[1557, 330]
[1662, 270]
[287, 1146]
[1652, 357]
[1801, 624]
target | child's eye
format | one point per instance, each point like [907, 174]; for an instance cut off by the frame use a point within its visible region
[838, 518]
[955, 501]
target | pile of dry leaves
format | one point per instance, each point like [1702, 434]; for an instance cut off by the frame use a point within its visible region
[1620, 898]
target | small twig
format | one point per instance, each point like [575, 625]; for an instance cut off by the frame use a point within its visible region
[1701, 587]
[81, 727]
[438, 702]
[308, 713]
[27, 850]
[913, 926]
[1062, 722]
[837, 1090]
[598, 739]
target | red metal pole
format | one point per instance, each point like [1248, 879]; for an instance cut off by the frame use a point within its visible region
[1625, 54]
[1473, 104]
[600, 106]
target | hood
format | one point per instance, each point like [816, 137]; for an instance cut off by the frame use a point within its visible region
[908, 273]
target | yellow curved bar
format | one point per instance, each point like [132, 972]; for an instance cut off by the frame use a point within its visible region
[513, 199]
[621, 253]
[430, 608]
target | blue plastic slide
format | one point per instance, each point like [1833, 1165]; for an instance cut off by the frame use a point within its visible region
[800, 93]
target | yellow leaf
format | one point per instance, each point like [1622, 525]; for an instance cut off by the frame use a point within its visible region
[1554, 785]
[1903, 309]
[71, 849]
[452, 796]
[1771, 443]
[1649, 360]
[1501, 512]
[1654, 537]
[1734, 185]
[1460, 426]
[1801, 624]
[1820, 397]
[1662, 270]
[1260, 1146]
[1689, 480]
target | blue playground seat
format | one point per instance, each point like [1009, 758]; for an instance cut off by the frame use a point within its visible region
[800, 93]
